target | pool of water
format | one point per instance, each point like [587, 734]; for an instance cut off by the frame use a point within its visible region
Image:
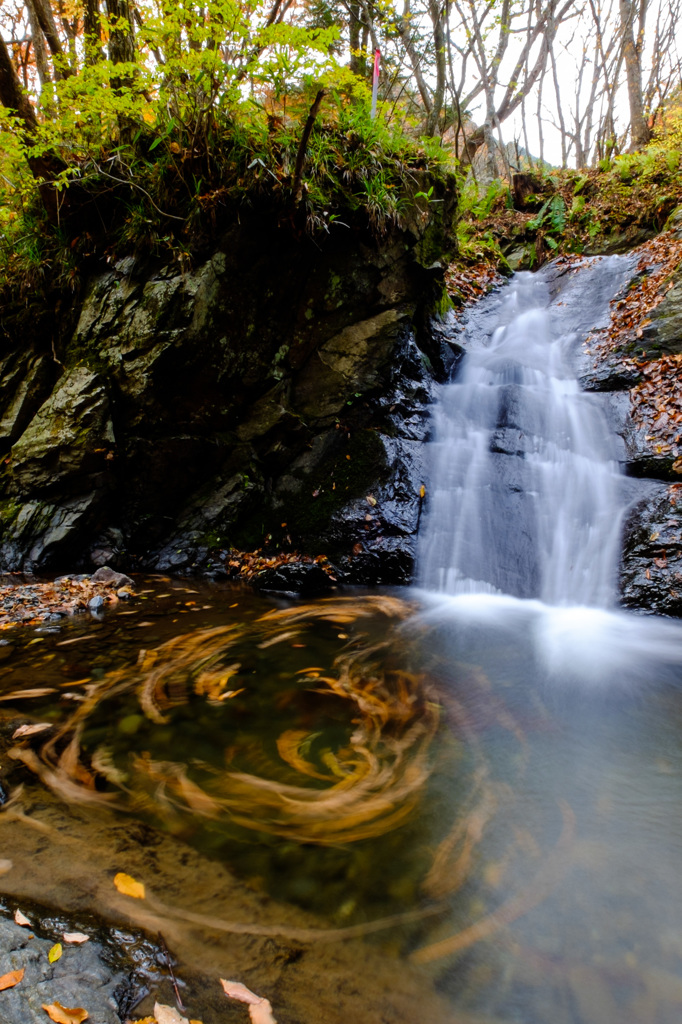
[388, 804]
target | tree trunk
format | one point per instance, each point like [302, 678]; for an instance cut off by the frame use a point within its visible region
[43, 14]
[122, 51]
[44, 167]
[436, 12]
[639, 129]
[92, 30]
[354, 29]
[122, 38]
[39, 48]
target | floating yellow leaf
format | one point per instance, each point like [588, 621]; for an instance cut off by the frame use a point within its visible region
[63, 1015]
[128, 886]
[422, 491]
[11, 979]
[55, 952]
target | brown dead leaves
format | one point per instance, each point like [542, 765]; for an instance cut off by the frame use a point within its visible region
[30, 604]
[657, 406]
[467, 284]
[657, 398]
[247, 564]
[631, 312]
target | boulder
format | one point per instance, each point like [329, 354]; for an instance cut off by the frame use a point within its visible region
[651, 568]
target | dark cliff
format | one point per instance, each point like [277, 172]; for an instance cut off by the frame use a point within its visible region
[275, 393]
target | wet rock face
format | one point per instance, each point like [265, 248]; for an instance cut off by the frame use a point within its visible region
[651, 562]
[275, 395]
[651, 575]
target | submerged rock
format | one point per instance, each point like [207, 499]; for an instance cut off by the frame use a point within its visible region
[294, 578]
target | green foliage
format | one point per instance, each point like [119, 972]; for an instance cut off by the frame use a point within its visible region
[208, 117]
[551, 217]
[473, 204]
[592, 210]
[577, 208]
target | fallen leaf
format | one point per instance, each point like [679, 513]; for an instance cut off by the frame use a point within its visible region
[21, 919]
[128, 886]
[63, 1015]
[168, 1015]
[260, 1010]
[75, 937]
[41, 691]
[30, 730]
[422, 491]
[55, 952]
[11, 979]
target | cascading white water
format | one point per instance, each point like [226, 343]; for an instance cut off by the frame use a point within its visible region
[525, 495]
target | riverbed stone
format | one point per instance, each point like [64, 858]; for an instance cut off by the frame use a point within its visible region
[294, 578]
[111, 578]
[79, 978]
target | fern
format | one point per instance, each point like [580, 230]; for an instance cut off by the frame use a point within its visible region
[557, 214]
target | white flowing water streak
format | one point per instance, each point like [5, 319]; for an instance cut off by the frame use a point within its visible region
[522, 537]
[525, 495]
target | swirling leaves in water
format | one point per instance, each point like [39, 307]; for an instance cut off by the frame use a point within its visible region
[371, 782]
[363, 786]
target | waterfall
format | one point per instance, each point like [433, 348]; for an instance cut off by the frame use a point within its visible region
[525, 490]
